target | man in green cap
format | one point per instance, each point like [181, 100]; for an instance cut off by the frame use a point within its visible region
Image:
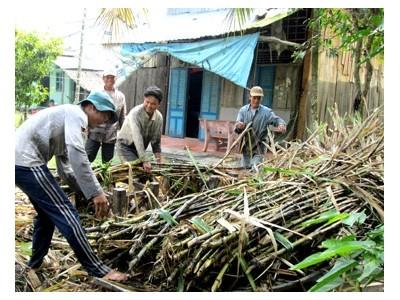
[61, 132]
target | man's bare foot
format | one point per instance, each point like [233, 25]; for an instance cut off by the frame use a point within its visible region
[116, 276]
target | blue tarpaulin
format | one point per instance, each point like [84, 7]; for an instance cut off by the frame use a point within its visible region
[229, 57]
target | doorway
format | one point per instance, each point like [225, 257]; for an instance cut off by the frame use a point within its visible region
[195, 81]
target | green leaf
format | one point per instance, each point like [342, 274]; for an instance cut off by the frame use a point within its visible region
[235, 192]
[314, 259]
[338, 217]
[371, 266]
[288, 172]
[377, 232]
[335, 247]
[283, 241]
[322, 218]
[244, 266]
[202, 226]
[329, 286]
[329, 280]
[26, 248]
[166, 216]
[355, 218]
[181, 282]
[345, 247]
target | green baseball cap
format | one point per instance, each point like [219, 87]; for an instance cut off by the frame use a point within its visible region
[103, 102]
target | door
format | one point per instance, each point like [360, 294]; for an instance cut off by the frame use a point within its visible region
[266, 79]
[210, 94]
[177, 102]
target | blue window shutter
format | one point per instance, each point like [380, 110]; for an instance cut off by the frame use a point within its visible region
[177, 98]
[210, 98]
[266, 79]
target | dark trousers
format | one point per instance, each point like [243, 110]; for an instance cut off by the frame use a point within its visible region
[126, 152]
[92, 147]
[55, 210]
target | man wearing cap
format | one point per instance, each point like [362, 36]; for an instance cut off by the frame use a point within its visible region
[105, 135]
[261, 117]
[60, 132]
[142, 126]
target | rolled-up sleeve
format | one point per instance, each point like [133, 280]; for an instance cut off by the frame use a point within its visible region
[275, 120]
[156, 139]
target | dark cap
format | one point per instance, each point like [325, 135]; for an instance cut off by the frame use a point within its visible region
[154, 91]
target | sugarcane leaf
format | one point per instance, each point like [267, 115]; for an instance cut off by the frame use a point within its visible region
[326, 216]
[345, 247]
[26, 248]
[338, 218]
[250, 278]
[328, 286]
[197, 167]
[202, 226]
[371, 266]
[167, 217]
[283, 241]
[235, 192]
[329, 280]
[181, 282]
[355, 218]
[377, 232]
[314, 259]
[318, 160]
[246, 210]
[223, 222]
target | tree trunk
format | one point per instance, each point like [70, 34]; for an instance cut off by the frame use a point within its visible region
[357, 80]
[314, 73]
[368, 76]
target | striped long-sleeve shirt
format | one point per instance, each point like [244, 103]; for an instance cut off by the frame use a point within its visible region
[141, 130]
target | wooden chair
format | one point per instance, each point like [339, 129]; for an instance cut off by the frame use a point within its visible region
[220, 131]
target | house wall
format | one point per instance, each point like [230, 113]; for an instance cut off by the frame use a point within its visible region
[231, 100]
[286, 91]
[134, 86]
[336, 85]
[66, 95]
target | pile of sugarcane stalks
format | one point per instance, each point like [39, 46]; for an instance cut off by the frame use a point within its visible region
[246, 233]
[243, 232]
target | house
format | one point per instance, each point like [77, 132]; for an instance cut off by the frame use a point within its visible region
[64, 76]
[205, 74]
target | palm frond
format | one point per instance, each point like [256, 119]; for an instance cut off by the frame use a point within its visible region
[115, 20]
[236, 18]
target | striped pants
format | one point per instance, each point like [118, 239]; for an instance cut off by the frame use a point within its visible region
[55, 210]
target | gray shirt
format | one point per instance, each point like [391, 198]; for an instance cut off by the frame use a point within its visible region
[262, 118]
[107, 133]
[142, 130]
[59, 131]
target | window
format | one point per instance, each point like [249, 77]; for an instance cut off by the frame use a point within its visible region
[59, 81]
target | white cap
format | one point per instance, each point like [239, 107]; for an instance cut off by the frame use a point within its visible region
[111, 72]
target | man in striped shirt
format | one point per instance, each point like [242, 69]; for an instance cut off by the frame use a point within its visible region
[142, 126]
[60, 132]
[261, 117]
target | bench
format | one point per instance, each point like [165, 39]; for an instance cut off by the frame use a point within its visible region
[220, 131]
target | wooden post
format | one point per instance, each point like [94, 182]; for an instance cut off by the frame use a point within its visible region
[303, 107]
[155, 188]
[119, 202]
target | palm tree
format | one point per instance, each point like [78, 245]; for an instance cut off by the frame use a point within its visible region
[115, 20]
